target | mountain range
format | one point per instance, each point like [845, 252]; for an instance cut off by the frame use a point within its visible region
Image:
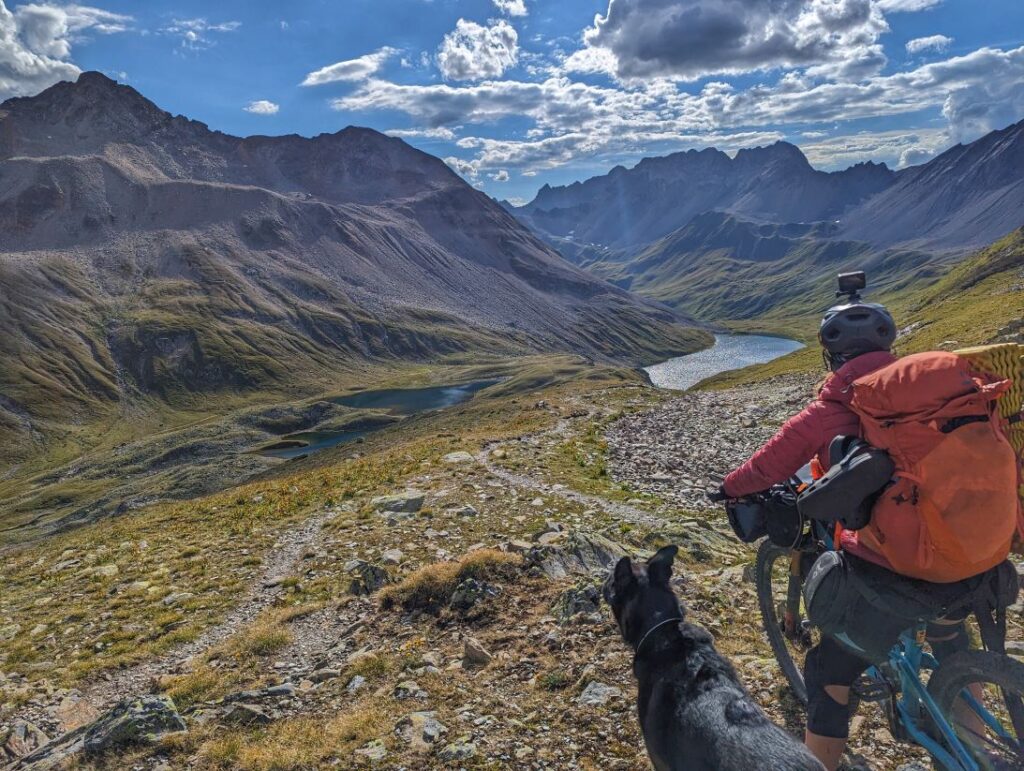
[145, 256]
[763, 232]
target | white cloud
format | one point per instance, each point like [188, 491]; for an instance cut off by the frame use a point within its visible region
[813, 134]
[351, 69]
[474, 52]
[262, 107]
[468, 169]
[897, 6]
[573, 120]
[37, 39]
[530, 173]
[500, 176]
[897, 148]
[440, 132]
[511, 7]
[930, 43]
[195, 34]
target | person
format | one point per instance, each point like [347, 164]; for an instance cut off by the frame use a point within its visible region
[856, 339]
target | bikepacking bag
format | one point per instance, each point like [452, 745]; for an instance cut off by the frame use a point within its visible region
[953, 509]
[848, 491]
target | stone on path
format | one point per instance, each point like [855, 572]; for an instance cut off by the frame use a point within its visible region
[458, 457]
[392, 557]
[408, 502]
[597, 694]
[365, 578]
[23, 739]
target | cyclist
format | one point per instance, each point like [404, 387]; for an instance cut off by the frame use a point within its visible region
[856, 339]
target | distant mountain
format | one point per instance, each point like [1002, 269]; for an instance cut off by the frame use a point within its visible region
[146, 256]
[630, 207]
[761, 234]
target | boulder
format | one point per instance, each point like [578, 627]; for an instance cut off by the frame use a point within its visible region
[23, 739]
[458, 457]
[392, 557]
[421, 730]
[580, 554]
[474, 654]
[583, 598]
[140, 721]
[247, 715]
[460, 749]
[470, 592]
[408, 502]
[365, 578]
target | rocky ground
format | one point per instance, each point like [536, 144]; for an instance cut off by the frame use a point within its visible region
[437, 610]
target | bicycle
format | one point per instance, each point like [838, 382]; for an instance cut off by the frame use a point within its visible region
[943, 716]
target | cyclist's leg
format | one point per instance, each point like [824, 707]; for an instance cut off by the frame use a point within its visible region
[946, 637]
[829, 671]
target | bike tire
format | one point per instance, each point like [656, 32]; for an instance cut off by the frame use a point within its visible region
[984, 667]
[767, 555]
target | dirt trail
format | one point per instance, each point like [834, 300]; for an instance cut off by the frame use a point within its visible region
[279, 563]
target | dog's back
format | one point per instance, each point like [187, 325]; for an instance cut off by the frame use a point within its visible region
[697, 716]
[694, 712]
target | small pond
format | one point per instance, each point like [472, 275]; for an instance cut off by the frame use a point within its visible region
[396, 401]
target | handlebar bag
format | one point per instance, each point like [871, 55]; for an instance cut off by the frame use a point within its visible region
[852, 485]
[748, 520]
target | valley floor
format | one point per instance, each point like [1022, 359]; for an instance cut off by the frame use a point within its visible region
[250, 608]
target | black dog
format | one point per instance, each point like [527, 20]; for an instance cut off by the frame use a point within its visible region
[694, 712]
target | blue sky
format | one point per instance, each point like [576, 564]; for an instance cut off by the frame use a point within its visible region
[518, 93]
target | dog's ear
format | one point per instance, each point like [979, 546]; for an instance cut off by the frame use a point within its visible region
[659, 567]
[622, 576]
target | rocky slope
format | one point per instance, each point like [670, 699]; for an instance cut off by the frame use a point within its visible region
[145, 256]
[416, 603]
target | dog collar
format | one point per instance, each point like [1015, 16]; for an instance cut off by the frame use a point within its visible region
[654, 629]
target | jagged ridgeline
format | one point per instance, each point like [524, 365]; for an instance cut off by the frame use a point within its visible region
[144, 256]
[760, 236]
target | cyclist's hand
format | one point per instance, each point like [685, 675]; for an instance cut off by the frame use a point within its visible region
[717, 495]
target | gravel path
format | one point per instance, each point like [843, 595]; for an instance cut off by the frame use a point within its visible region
[279, 563]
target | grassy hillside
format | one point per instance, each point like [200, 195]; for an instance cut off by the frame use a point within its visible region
[979, 301]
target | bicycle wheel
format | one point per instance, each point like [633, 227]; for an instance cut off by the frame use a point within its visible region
[782, 614]
[989, 716]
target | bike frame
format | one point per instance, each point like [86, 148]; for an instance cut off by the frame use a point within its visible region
[915, 709]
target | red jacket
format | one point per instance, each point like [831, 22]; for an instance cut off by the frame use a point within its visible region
[808, 433]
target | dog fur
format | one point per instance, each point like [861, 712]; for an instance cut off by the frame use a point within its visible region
[694, 712]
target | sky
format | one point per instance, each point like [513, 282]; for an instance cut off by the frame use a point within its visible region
[515, 94]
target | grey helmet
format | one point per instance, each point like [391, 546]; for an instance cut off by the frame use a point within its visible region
[855, 328]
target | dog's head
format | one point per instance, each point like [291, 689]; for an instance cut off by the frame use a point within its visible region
[640, 596]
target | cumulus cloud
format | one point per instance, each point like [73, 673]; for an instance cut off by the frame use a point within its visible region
[36, 42]
[196, 34]
[475, 52]
[930, 43]
[500, 176]
[897, 148]
[573, 120]
[511, 7]
[351, 69]
[262, 107]
[692, 39]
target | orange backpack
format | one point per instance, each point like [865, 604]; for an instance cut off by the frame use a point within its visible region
[953, 509]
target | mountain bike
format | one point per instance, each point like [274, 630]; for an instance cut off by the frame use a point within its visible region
[944, 716]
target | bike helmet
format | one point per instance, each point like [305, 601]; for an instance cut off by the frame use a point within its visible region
[855, 328]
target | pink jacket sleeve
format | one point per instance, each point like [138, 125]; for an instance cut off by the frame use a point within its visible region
[786, 453]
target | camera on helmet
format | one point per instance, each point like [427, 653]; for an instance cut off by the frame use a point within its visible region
[850, 284]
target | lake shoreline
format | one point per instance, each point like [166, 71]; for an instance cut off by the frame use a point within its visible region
[730, 352]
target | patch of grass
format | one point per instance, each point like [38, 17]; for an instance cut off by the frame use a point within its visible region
[296, 743]
[266, 635]
[431, 587]
[554, 680]
[203, 684]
